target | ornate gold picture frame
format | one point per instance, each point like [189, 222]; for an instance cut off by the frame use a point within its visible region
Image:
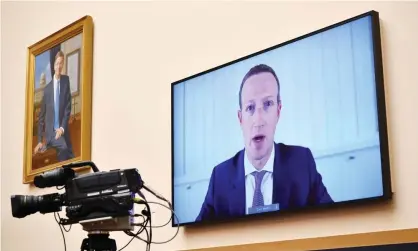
[58, 99]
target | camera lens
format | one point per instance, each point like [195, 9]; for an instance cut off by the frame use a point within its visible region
[24, 205]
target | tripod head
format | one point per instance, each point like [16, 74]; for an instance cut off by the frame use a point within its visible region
[98, 241]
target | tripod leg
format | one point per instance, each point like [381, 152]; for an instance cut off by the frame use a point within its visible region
[114, 245]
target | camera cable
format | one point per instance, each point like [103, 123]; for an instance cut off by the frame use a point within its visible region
[61, 227]
[141, 201]
[143, 228]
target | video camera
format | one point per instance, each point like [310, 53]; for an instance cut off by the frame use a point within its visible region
[99, 201]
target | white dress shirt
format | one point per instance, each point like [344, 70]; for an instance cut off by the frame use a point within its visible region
[266, 183]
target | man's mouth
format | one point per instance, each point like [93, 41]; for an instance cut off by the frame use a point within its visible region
[259, 138]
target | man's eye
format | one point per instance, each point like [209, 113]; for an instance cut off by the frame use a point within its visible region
[250, 108]
[268, 103]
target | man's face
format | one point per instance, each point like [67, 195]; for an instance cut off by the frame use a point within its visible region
[259, 114]
[58, 65]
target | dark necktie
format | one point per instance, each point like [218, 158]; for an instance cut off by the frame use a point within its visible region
[258, 199]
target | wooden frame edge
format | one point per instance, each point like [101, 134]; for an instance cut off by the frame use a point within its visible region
[329, 242]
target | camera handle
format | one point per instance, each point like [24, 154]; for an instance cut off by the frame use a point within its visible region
[81, 164]
[98, 241]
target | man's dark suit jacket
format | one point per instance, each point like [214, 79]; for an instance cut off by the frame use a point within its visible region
[46, 115]
[296, 183]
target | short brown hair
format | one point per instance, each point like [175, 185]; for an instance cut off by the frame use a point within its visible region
[59, 54]
[254, 71]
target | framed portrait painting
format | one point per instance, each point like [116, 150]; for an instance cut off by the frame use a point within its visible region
[58, 99]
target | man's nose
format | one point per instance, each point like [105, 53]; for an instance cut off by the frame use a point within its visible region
[259, 117]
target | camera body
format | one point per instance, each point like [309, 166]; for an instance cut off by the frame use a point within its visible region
[101, 194]
[98, 201]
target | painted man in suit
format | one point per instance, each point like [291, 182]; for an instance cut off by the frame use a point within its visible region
[55, 114]
[264, 173]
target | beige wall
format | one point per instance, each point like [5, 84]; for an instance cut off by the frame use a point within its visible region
[1, 104]
[139, 49]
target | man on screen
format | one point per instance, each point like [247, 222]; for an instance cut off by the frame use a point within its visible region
[264, 176]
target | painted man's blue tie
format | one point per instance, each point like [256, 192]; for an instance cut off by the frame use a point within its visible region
[258, 199]
[56, 106]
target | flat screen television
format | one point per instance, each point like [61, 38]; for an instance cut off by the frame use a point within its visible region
[299, 125]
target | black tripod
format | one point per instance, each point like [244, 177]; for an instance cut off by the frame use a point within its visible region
[98, 241]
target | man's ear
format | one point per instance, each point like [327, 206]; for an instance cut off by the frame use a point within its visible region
[240, 117]
[279, 109]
